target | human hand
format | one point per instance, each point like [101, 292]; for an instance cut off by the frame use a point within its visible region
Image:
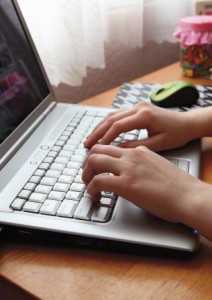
[142, 177]
[166, 129]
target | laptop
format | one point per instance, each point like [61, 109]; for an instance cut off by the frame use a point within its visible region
[41, 154]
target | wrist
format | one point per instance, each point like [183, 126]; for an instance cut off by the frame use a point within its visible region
[197, 210]
[198, 123]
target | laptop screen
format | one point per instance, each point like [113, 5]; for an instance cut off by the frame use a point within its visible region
[22, 86]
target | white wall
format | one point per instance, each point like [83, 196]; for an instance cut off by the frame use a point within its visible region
[122, 65]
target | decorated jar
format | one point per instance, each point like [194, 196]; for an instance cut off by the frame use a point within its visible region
[195, 36]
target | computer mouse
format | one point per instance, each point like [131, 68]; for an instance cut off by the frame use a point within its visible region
[175, 93]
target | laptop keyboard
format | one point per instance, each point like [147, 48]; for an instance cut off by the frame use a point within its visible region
[56, 187]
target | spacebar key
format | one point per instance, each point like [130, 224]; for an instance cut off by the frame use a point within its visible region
[84, 209]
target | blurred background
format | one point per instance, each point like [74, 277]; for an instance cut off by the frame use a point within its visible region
[88, 47]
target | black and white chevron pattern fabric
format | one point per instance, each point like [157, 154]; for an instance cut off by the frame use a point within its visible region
[133, 93]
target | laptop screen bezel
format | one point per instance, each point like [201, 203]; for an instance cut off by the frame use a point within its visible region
[13, 142]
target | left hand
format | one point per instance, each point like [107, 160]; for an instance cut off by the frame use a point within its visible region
[166, 129]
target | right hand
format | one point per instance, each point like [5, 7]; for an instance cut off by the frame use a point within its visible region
[167, 192]
[166, 129]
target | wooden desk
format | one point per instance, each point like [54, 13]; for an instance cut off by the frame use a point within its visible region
[51, 272]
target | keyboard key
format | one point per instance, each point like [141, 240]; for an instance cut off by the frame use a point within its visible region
[37, 197]
[67, 209]
[82, 152]
[71, 195]
[118, 140]
[57, 167]
[81, 146]
[60, 143]
[91, 113]
[134, 132]
[63, 138]
[84, 125]
[66, 154]
[39, 172]
[129, 137]
[56, 148]
[50, 207]
[80, 113]
[43, 189]
[78, 187]
[70, 129]
[77, 137]
[97, 120]
[108, 194]
[173, 160]
[48, 159]
[80, 132]
[52, 154]
[35, 179]
[77, 158]
[143, 134]
[84, 209]
[86, 194]
[53, 173]
[101, 214]
[24, 194]
[74, 165]
[18, 204]
[30, 186]
[183, 164]
[116, 143]
[80, 171]
[58, 196]
[102, 114]
[73, 124]
[61, 160]
[48, 181]
[78, 179]
[73, 142]
[107, 202]
[32, 207]
[70, 147]
[66, 133]
[76, 119]
[70, 172]
[61, 187]
[44, 166]
[66, 179]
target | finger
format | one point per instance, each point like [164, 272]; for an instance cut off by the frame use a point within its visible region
[113, 113]
[104, 149]
[101, 129]
[100, 163]
[123, 125]
[154, 143]
[107, 150]
[104, 183]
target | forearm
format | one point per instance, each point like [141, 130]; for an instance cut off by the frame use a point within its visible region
[200, 122]
[197, 212]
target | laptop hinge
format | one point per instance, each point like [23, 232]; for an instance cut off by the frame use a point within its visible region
[26, 135]
[49, 109]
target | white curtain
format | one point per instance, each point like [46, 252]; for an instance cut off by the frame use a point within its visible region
[70, 34]
[161, 18]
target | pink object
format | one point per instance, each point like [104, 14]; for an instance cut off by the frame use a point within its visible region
[195, 30]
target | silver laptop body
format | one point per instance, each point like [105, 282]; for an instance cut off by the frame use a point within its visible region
[30, 139]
